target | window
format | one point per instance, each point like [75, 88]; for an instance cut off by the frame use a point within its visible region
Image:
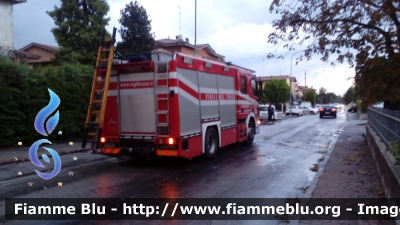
[254, 87]
[188, 60]
[243, 85]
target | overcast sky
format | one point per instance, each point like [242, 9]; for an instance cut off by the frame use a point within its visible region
[236, 29]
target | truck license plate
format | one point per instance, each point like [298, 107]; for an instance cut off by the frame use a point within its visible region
[109, 145]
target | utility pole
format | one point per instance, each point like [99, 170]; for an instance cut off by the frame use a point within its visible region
[290, 79]
[305, 83]
[305, 78]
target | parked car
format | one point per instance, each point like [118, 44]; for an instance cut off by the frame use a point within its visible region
[313, 111]
[352, 107]
[338, 105]
[263, 112]
[378, 105]
[309, 110]
[295, 110]
[328, 110]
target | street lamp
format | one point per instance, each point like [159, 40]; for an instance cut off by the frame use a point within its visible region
[290, 93]
[315, 93]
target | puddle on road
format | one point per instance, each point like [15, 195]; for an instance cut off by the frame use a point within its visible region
[322, 145]
[302, 144]
[290, 143]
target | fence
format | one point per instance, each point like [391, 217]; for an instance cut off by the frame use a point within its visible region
[386, 122]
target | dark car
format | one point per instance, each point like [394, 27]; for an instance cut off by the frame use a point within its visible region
[352, 108]
[327, 110]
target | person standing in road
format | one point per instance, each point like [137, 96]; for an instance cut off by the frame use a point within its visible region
[270, 112]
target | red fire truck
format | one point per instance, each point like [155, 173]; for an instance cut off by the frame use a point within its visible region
[172, 104]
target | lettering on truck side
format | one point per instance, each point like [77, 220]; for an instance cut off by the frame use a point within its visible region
[219, 97]
[136, 84]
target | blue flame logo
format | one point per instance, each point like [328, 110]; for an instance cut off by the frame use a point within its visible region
[50, 126]
[45, 112]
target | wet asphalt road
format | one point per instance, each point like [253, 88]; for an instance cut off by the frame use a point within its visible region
[277, 165]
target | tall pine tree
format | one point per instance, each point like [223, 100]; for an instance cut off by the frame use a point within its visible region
[79, 24]
[135, 30]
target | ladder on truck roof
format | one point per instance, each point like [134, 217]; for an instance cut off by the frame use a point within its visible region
[98, 97]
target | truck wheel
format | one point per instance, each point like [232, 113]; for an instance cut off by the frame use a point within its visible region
[211, 143]
[251, 130]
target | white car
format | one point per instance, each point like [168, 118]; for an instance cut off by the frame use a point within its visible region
[310, 110]
[295, 110]
[263, 112]
[378, 105]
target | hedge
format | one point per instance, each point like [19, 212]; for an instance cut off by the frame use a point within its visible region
[24, 92]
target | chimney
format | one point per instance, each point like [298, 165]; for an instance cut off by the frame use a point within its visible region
[187, 40]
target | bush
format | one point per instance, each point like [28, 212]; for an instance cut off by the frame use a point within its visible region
[24, 92]
[362, 106]
[395, 150]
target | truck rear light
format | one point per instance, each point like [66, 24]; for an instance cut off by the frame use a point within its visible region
[102, 140]
[171, 141]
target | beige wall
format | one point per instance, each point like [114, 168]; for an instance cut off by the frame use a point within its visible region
[46, 55]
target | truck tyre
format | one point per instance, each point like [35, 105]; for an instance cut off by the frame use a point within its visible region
[211, 143]
[251, 131]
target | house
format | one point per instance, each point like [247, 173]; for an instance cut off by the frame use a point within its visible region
[183, 46]
[36, 54]
[291, 81]
[302, 90]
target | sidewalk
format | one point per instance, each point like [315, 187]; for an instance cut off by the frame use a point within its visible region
[20, 154]
[349, 172]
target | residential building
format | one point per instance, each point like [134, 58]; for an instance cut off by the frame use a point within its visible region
[34, 54]
[184, 46]
[303, 90]
[291, 81]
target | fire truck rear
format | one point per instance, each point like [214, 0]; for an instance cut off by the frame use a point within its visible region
[177, 105]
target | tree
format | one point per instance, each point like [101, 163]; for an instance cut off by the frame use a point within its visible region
[310, 94]
[327, 27]
[276, 91]
[377, 80]
[135, 30]
[370, 29]
[350, 95]
[78, 29]
[322, 90]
